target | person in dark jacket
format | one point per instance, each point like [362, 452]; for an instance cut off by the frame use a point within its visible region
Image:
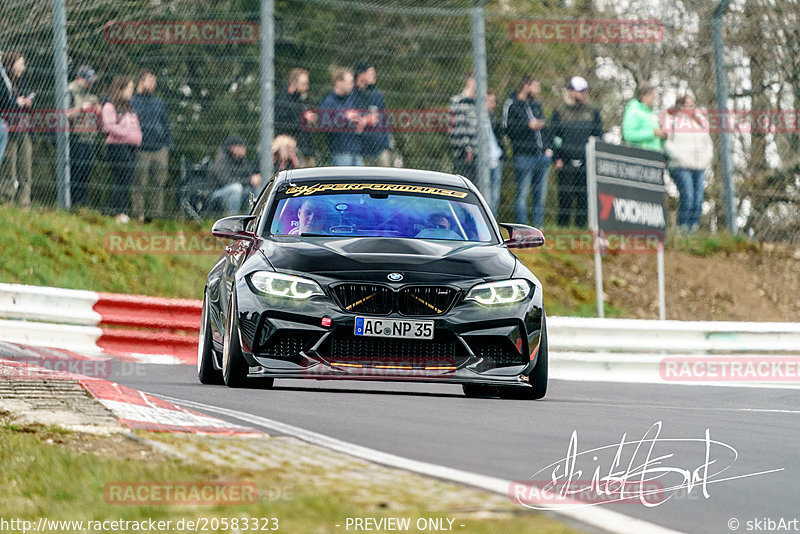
[84, 108]
[152, 160]
[343, 123]
[16, 173]
[572, 124]
[232, 176]
[370, 101]
[294, 118]
[532, 147]
[497, 152]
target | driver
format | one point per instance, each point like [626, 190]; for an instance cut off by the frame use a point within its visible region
[308, 219]
[439, 227]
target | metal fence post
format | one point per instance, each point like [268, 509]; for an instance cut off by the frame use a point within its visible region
[726, 155]
[61, 102]
[267, 87]
[479, 62]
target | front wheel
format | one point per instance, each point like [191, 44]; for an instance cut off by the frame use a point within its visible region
[206, 372]
[234, 366]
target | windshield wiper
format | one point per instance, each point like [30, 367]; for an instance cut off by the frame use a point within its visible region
[309, 234]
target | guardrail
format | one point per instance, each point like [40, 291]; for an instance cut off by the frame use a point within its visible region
[580, 348]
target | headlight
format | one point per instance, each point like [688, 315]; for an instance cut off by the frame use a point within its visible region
[504, 292]
[284, 285]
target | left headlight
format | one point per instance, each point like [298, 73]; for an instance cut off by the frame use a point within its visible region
[503, 292]
[284, 285]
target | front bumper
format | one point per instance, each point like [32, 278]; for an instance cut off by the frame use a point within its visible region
[472, 343]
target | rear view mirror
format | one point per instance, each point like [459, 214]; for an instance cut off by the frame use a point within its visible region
[522, 236]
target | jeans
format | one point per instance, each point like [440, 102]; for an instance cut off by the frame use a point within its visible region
[530, 171]
[16, 173]
[691, 186]
[232, 196]
[572, 190]
[121, 161]
[81, 161]
[343, 159]
[3, 138]
[495, 181]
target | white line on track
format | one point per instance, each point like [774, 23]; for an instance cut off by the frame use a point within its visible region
[603, 519]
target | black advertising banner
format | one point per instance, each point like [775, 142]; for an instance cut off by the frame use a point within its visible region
[628, 192]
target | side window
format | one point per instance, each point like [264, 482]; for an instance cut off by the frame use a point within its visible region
[260, 206]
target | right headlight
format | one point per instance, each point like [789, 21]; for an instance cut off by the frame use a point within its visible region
[503, 292]
[284, 285]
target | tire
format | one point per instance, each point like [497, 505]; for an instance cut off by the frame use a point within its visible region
[479, 390]
[206, 372]
[538, 378]
[234, 366]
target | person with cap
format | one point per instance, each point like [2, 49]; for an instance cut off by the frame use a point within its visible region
[83, 113]
[571, 125]
[232, 176]
[342, 122]
[369, 99]
[640, 126]
[532, 148]
[294, 118]
[152, 160]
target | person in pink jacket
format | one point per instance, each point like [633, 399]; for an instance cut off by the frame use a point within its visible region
[123, 138]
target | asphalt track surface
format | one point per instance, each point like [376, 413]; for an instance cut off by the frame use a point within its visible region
[517, 440]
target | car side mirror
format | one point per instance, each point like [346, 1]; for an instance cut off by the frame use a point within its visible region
[522, 236]
[234, 227]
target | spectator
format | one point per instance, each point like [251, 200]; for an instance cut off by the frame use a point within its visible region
[375, 140]
[83, 110]
[232, 175]
[124, 136]
[284, 156]
[464, 131]
[639, 124]
[152, 160]
[689, 149]
[532, 147]
[7, 104]
[496, 152]
[16, 173]
[344, 121]
[571, 126]
[293, 117]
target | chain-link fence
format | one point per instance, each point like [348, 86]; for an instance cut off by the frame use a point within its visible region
[206, 65]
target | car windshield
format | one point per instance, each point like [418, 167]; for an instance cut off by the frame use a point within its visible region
[434, 213]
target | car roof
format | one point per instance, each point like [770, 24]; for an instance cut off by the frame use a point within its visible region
[388, 173]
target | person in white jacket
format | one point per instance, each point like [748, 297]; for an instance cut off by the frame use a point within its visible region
[689, 149]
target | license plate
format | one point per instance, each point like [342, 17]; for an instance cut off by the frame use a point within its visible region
[371, 326]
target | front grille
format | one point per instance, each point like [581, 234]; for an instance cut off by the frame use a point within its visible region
[425, 300]
[371, 299]
[498, 349]
[344, 346]
[375, 299]
[288, 343]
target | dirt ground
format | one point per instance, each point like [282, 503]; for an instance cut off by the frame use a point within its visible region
[743, 285]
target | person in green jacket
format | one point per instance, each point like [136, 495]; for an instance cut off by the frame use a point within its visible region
[640, 126]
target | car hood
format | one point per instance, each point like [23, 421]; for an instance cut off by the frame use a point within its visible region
[368, 259]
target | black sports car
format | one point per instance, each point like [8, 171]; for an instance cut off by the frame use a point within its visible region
[376, 274]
